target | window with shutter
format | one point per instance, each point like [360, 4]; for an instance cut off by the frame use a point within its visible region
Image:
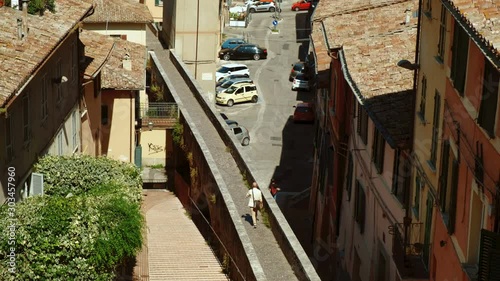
[45, 103]
[378, 151]
[423, 96]
[460, 51]
[360, 207]
[489, 256]
[443, 178]
[435, 128]
[442, 35]
[362, 127]
[104, 114]
[489, 100]
[350, 167]
[453, 198]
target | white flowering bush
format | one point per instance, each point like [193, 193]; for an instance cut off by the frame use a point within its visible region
[85, 236]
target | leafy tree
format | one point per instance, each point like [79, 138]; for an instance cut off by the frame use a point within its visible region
[81, 233]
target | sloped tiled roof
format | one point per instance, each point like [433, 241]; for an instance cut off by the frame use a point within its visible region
[330, 8]
[20, 58]
[373, 39]
[481, 19]
[120, 11]
[98, 48]
[114, 76]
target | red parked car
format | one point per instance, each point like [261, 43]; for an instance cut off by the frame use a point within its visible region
[301, 5]
[304, 112]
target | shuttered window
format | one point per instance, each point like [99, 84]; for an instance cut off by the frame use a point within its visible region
[489, 100]
[378, 151]
[350, 166]
[448, 187]
[26, 118]
[362, 127]
[489, 256]
[360, 206]
[460, 51]
[435, 128]
[442, 35]
[423, 97]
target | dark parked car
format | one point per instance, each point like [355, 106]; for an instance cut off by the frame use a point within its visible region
[297, 68]
[232, 42]
[230, 77]
[245, 51]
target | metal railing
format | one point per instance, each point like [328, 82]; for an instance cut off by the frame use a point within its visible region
[408, 252]
[165, 110]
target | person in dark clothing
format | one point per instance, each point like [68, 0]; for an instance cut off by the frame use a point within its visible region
[273, 188]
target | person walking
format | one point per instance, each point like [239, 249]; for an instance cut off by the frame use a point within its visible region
[254, 202]
[273, 188]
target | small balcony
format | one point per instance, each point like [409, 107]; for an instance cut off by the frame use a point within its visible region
[410, 256]
[159, 115]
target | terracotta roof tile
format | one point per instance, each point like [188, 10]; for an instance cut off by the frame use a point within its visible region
[120, 11]
[114, 76]
[20, 58]
[98, 47]
[373, 40]
[483, 18]
[329, 8]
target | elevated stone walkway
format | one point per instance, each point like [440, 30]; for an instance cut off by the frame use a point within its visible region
[270, 261]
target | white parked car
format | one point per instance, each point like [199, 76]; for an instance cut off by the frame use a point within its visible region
[229, 69]
[238, 9]
[261, 7]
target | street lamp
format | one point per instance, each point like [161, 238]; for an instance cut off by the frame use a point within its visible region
[150, 125]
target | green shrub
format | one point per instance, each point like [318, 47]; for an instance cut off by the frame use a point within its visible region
[85, 236]
[79, 174]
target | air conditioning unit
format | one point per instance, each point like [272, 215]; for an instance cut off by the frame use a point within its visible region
[36, 185]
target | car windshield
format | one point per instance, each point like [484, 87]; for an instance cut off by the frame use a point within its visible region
[303, 109]
[298, 67]
[231, 90]
[223, 70]
[227, 84]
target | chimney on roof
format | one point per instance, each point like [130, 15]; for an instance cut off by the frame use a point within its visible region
[127, 62]
[25, 18]
[408, 16]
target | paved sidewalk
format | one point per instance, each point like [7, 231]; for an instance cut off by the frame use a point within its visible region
[176, 250]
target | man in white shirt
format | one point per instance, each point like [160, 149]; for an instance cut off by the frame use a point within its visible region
[254, 202]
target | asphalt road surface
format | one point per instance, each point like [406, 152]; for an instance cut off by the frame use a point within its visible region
[278, 148]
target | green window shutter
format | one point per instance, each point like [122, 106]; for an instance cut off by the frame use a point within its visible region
[489, 256]
[157, 2]
[453, 198]
[363, 210]
[443, 178]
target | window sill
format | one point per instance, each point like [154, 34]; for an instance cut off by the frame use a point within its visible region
[431, 165]
[439, 60]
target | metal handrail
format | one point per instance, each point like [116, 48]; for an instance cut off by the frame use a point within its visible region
[159, 110]
[218, 238]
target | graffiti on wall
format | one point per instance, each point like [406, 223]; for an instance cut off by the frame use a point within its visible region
[154, 148]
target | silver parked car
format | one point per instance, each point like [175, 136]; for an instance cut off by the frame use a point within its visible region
[241, 134]
[261, 7]
[231, 82]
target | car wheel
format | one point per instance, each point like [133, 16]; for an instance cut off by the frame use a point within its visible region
[227, 57]
[272, 9]
[230, 103]
[252, 10]
[297, 9]
[255, 99]
[256, 57]
[245, 141]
